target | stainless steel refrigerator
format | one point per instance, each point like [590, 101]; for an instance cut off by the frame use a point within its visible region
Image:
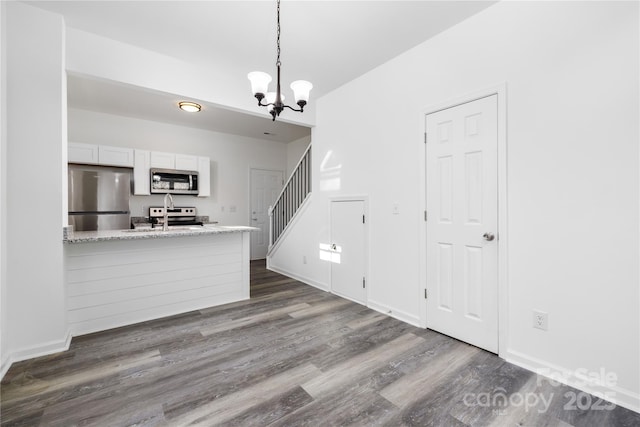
[99, 198]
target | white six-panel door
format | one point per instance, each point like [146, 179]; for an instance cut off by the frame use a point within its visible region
[348, 246]
[462, 208]
[265, 187]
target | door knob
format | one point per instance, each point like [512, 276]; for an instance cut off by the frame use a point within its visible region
[488, 237]
[255, 219]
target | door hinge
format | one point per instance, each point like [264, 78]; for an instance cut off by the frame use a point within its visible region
[425, 137]
[363, 219]
[425, 216]
[363, 282]
[425, 293]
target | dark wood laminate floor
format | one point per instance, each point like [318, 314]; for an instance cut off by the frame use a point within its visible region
[290, 356]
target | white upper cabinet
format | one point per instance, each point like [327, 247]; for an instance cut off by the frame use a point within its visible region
[141, 178]
[142, 161]
[99, 155]
[186, 162]
[204, 177]
[82, 153]
[115, 156]
[163, 160]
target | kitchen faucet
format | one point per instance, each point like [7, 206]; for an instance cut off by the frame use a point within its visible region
[168, 197]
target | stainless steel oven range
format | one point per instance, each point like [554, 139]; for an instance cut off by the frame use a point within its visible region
[176, 216]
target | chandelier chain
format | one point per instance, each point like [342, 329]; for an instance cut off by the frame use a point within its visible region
[278, 60]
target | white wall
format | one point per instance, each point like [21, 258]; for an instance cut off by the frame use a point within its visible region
[36, 133]
[571, 70]
[3, 195]
[295, 150]
[93, 55]
[231, 157]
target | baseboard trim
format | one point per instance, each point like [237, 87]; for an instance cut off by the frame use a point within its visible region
[395, 313]
[45, 349]
[305, 280]
[575, 378]
[382, 308]
[6, 364]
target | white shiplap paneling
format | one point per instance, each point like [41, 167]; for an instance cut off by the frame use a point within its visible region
[116, 283]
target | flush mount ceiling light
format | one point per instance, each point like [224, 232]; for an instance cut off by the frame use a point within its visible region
[189, 107]
[274, 100]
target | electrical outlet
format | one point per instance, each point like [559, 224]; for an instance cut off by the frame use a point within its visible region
[304, 259]
[540, 320]
[395, 208]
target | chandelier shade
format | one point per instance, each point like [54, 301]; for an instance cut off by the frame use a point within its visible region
[274, 101]
[301, 89]
[259, 82]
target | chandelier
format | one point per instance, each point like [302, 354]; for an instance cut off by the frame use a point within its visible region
[274, 101]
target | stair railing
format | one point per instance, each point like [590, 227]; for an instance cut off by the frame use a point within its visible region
[294, 193]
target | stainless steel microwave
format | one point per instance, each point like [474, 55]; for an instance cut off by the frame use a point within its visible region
[173, 181]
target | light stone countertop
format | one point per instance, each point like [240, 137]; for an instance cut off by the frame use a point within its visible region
[156, 233]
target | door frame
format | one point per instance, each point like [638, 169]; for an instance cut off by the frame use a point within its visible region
[503, 274]
[367, 251]
[249, 210]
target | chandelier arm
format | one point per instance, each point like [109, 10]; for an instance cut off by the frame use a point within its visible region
[299, 110]
[260, 104]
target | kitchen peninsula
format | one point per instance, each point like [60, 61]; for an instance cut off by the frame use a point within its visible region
[120, 277]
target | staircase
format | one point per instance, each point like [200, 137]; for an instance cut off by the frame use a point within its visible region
[293, 195]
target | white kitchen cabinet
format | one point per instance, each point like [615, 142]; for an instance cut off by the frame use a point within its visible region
[204, 177]
[141, 166]
[82, 153]
[105, 155]
[186, 162]
[115, 156]
[163, 160]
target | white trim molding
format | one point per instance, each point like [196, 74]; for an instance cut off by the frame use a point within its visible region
[6, 364]
[44, 349]
[588, 382]
[299, 278]
[396, 314]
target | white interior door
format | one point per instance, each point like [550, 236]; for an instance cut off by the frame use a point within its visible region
[349, 250]
[462, 207]
[265, 187]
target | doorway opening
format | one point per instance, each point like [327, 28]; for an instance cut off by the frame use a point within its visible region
[265, 186]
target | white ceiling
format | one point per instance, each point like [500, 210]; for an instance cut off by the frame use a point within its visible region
[326, 42]
[133, 101]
